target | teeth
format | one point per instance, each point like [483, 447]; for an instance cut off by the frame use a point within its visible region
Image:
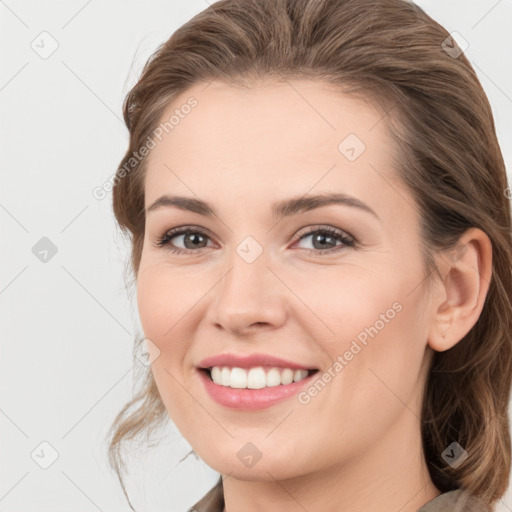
[255, 378]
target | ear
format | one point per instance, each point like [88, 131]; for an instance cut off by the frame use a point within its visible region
[467, 273]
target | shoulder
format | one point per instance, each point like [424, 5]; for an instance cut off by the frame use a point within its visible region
[459, 500]
[212, 501]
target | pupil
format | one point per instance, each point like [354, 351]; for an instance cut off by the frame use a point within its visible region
[321, 239]
[193, 237]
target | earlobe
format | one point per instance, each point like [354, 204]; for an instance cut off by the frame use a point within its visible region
[442, 339]
[467, 273]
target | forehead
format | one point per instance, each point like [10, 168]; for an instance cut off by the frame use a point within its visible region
[274, 120]
[274, 139]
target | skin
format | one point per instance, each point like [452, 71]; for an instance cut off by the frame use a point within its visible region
[356, 446]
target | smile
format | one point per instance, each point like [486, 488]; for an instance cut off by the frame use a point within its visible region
[255, 388]
[256, 378]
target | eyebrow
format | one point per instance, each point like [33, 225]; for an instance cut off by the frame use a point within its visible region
[280, 209]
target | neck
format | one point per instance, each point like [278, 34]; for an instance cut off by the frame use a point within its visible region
[388, 475]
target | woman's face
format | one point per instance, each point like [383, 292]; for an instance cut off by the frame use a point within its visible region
[256, 278]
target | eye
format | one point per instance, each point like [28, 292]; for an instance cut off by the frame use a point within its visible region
[193, 238]
[324, 240]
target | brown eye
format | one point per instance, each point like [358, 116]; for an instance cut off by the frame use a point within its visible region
[191, 239]
[324, 240]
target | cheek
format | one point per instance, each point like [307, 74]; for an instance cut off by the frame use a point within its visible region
[368, 321]
[153, 303]
[164, 303]
[164, 300]
[376, 350]
[339, 304]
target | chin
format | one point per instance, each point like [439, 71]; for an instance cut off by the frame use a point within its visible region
[240, 466]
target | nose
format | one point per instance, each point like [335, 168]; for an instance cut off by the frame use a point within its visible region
[248, 298]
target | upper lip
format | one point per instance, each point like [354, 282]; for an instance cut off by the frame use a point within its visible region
[250, 361]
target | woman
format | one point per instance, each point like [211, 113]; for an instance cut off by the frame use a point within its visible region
[321, 242]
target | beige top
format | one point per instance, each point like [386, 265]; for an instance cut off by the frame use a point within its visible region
[452, 501]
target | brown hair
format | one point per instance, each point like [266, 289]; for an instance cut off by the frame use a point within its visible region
[446, 151]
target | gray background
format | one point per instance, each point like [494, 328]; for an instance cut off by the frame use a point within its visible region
[68, 322]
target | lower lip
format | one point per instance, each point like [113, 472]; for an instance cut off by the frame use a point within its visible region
[251, 399]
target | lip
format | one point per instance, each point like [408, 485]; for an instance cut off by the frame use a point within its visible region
[250, 361]
[250, 399]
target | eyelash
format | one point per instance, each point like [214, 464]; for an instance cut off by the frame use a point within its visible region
[348, 241]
